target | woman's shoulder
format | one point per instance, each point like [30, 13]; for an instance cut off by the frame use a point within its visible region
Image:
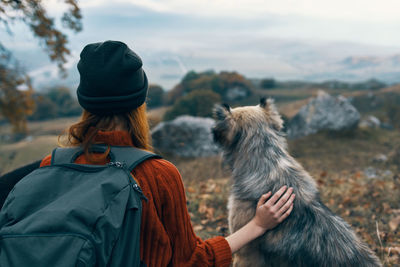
[46, 161]
[154, 166]
[161, 167]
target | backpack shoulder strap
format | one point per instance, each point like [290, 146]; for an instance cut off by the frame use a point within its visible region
[65, 155]
[130, 156]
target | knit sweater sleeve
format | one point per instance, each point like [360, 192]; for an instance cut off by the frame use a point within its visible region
[46, 161]
[188, 249]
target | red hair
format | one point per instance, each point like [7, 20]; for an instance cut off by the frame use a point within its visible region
[83, 132]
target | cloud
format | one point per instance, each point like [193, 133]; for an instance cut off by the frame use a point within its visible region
[358, 10]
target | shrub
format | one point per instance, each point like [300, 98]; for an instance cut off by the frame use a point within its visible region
[57, 102]
[197, 103]
[155, 96]
[220, 83]
[268, 83]
[45, 108]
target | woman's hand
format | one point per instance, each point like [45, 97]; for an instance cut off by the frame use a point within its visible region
[270, 212]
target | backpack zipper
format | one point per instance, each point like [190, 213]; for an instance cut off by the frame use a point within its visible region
[135, 186]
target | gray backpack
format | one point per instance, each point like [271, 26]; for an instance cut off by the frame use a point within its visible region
[69, 214]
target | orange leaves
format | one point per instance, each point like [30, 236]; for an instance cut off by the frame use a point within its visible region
[34, 14]
[207, 207]
[394, 223]
[190, 189]
[207, 211]
[364, 202]
[15, 104]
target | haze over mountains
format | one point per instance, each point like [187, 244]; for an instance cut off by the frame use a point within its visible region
[172, 42]
[283, 60]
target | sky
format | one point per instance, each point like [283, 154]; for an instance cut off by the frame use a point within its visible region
[285, 39]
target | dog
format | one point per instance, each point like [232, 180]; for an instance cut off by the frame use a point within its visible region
[255, 150]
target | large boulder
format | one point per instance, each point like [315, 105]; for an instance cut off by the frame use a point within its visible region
[237, 93]
[185, 136]
[324, 112]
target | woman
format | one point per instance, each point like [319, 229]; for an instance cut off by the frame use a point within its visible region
[112, 92]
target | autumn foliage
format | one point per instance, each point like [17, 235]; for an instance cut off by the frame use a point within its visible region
[197, 103]
[337, 163]
[218, 83]
[17, 104]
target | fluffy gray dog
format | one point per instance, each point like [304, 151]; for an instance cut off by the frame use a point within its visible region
[256, 152]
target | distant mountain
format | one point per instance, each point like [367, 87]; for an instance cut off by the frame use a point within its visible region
[262, 58]
[356, 68]
[372, 62]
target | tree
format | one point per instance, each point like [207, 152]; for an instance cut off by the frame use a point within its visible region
[268, 83]
[155, 96]
[45, 108]
[33, 14]
[56, 102]
[15, 104]
[197, 103]
[220, 83]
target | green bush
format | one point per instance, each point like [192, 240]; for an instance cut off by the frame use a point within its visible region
[56, 102]
[45, 108]
[197, 103]
[393, 113]
[268, 83]
[155, 96]
[219, 83]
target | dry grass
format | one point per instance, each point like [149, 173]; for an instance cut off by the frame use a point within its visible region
[18, 154]
[337, 163]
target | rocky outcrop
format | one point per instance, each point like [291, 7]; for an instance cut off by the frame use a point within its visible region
[370, 122]
[237, 93]
[323, 112]
[185, 136]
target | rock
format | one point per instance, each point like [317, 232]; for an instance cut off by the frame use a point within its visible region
[387, 126]
[29, 138]
[387, 173]
[185, 136]
[324, 112]
[374, 122]
[370, 122]
[370, 173]
[236, 93]
[373, 173]
[380, 158]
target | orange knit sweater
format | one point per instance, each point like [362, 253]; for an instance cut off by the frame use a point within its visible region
[167, 237]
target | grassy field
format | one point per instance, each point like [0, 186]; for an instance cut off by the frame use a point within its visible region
[336, 161]
[42, 139]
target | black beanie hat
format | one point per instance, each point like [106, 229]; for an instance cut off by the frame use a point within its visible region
[112, 80]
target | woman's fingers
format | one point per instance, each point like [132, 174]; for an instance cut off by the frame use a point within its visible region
[286, 206]
[276, 196]
[283, 200]
[263, 198]
[286, 214]
[270, 212]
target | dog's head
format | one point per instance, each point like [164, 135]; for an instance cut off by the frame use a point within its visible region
[233, 124]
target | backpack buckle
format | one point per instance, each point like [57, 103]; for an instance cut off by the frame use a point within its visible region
[116, 164]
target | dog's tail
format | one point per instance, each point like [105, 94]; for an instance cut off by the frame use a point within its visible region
[314, 236]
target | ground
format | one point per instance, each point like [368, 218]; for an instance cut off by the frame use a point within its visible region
[336, 161]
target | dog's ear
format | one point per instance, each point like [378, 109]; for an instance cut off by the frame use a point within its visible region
[268, 104]
[221, 112]
[269, 107]
[263, 102]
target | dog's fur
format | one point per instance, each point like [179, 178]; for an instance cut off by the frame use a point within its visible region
[256, 152]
